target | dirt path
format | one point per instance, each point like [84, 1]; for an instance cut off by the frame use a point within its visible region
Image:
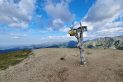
[62, 65]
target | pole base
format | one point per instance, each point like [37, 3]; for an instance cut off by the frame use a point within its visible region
[82, 63]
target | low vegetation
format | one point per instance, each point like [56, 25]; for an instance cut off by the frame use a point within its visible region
[12, 58]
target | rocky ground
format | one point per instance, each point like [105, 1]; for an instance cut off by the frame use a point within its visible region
[62, 65]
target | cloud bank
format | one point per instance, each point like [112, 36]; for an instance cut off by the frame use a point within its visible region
[59, 13]
[102, 18]
[16, 13]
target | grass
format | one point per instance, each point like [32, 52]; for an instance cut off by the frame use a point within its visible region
[12, 58]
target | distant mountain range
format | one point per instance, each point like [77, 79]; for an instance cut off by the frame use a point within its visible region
[70, 44]
[106, 42]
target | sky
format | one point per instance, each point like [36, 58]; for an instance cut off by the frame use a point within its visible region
[27, 22]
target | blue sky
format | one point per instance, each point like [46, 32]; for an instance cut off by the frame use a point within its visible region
[25, 22]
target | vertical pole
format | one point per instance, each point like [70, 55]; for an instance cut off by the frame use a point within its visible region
[82, 58]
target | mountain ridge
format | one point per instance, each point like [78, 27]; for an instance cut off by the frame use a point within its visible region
[105, 42]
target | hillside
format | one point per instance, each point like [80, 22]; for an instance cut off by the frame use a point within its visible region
[63, 65]
[106, 42]
[13, 58]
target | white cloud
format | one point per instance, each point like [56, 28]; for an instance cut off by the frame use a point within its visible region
[15, 37]
[101, 18]
[17, 34]
[111, 30]
[88, 24]
[57, 24]
[85, 34]
[17, 25]
[64, 38]
[65, 29]
[105, 10]
[16, 14]
[59, 12]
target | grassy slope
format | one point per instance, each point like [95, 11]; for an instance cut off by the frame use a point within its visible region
[12, 58]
